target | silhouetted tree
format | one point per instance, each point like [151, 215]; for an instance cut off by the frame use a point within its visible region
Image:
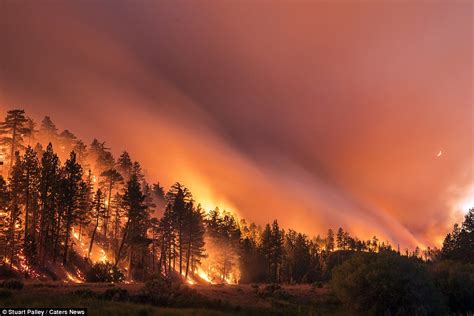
[135, 230]
[98, 213]
[330, 240]
[112, 178]
[48, 130]
[125, 165]
[12, 130]
[30, 181]
[71, 195]
[48, 196]
[459, 244]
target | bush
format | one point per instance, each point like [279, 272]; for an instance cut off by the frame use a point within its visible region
[456, 281]
[6, 273]
[386, 283]
[4, 294]
[13, 284]
[115, 294]
[84, 293]
[104, 272]
[172, 291]
[274, 291]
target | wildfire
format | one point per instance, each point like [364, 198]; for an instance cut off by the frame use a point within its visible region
[103, 256]
[203, 275]
[72, 278]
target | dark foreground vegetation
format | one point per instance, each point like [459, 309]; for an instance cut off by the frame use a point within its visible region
[95, 218]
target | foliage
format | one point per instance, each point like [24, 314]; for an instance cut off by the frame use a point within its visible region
[13, 284]
[115, 294]
[104, 272]
[273, 291]
[172, 291]
[386, 283]
[456, 281]
[4, 294]
[459, 244]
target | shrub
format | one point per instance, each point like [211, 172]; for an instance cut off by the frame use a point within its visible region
[386, 283]
[4, 294]
[6, 273]
[85, 293]
[171, 291]
[104, 272]
[456, 281]
[115, 294]
[274, 291]
[13, 284]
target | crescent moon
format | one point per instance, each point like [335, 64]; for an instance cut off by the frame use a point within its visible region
[439, 154]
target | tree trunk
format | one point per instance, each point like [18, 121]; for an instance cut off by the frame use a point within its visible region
[106, 219]
[12, 150]
[119, 252]
[188, 255]
[180, 253]
[68, 233]
[93, 236]
[27, 200]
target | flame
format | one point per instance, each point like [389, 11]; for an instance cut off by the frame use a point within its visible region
[72, 278]
[75, 234]
[204, 276]
[103, 256]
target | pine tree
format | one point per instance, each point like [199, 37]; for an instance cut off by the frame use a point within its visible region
[267, 249]
[181, 200]
[86, 201]
[30, 189]
[50, 180]
[168, 236]
[48, 131]
[459, 244]
[4, 216]
[277, 250]
[340, 239]
[14, 227]
[71, 184]
[81, 150]
[31, 127]
[330, 240]
[67, 141]
[125, 165]
[134, 232]
[112, 178]
[195, 237]
[224, 233]
[98, 213]
[302, 258]
[12, 131]
[101, 157]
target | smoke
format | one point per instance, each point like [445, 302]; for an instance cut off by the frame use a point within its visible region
[319, 115]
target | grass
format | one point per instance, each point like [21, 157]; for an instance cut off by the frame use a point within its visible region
[99, 307]
[243, 301]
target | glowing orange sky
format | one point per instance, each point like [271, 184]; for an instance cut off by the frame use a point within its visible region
[317, 114]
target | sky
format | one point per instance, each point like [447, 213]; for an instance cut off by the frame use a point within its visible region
[319, 114]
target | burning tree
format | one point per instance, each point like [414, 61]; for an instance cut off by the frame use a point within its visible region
[223, 243]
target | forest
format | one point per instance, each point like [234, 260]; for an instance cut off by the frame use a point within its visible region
[74, 212]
